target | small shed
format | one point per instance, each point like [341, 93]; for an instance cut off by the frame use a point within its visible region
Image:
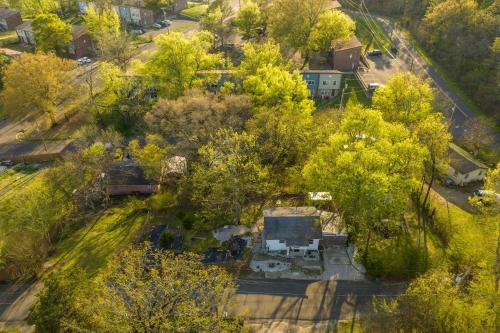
[126, 178]
[463, 167]
[176, 165]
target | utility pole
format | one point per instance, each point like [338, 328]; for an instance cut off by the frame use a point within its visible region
[342, 96]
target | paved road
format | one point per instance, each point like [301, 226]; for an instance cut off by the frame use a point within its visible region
[15, 303]
[312, 301]
[456, 109]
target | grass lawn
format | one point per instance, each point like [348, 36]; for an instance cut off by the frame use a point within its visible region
[382, 40]
[353, 93]
[7, 38]
[91, 246]
[196, 11]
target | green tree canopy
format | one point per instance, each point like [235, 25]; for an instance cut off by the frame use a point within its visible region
[332, 27]
[229, 176]
[141, 290]
[43, 81]
[370, 167]
[249, 20]
[51, 33]
[174, 66]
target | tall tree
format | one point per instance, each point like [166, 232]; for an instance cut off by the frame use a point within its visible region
[260, 55]
[192, 119]
[433, 303]
[174, 66]
[141, 290]
[51, 33]
[229, 176]
[101, 23]
[216, 19]
[249, 20]
[43, 80]
[332, 27]
[370, 167]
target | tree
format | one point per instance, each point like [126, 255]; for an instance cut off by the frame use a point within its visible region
[249, 20]
[4, 61]
[260, 55]
[101, 23]
[271, 86]
[405, 99]
[292, 23]
[116, 48]
[151, 157]
[51, 33]
[160, 4]
[216, 18]
[192, 119]
[370, 167]
[166, 240]
[332, 27]
[141, 290]
[479, 135]
[43, 80]
[228, 177]
[65, 302]
[174, 66]
[123, 100]
[433, 303]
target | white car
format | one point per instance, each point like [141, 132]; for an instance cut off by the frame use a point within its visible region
[83, 61]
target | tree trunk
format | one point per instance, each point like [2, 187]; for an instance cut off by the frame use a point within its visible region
[367, 245]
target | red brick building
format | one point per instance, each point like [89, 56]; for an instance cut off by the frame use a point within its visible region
[345, 56]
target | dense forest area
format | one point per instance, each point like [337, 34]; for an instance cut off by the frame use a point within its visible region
[461, 36]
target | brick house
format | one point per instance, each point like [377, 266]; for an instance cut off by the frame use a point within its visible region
[345, 56]
[9, 19]
[80, 46]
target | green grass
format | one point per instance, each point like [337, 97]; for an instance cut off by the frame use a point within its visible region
[91, 246]
[8, 38]
[195, 11]
[382, 40]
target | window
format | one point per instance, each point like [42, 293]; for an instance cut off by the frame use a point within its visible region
[282, 241]
[480, 172]
[311, 241]
[466, 175]
[334, 83]
[310, 82]
[325, 83]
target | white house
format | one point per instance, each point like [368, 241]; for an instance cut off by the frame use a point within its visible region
[463, 168]
[294, 230]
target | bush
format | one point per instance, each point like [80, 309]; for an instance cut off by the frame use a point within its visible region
[166, 240]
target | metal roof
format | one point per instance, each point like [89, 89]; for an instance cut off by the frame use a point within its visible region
[295, 225]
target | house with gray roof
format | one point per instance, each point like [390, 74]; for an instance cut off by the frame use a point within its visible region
[128, 178]
[9, 19]
[292, 230]
[463, 168]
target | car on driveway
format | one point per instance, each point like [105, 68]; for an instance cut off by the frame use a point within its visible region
[375, 53]
[83, 61]
[156, 26]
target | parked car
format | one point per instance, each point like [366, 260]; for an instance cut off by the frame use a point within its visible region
[228, 46]
[374, 86]
[167, 22]
[156, 26]
[83, 61]
[448, 182]
[7, 163]
[138, 32]
[375, 53]
[486, 193]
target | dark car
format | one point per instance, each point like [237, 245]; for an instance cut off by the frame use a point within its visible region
[448, 182]
[375, 53]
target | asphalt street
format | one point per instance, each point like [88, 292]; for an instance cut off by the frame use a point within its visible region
[313, 301]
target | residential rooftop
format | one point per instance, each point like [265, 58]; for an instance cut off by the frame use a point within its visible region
[291, 211]
[462, 161]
